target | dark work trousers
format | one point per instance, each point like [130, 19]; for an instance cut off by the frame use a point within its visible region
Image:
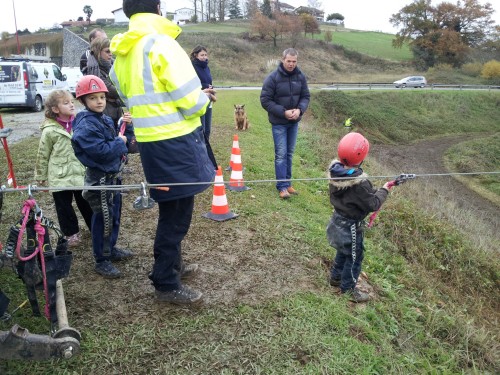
[173, 224]
[115, 210]
[68, 221]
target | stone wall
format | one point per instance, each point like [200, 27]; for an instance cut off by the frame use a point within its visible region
[73, 48]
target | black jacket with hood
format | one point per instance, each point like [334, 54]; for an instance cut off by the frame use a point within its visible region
[354, 198]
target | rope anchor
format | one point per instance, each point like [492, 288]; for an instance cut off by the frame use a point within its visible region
[143, 202]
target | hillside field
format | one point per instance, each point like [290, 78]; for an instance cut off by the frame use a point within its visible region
[431, 263]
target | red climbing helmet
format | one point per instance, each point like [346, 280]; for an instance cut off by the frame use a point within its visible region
[89, 85]
[352, 149]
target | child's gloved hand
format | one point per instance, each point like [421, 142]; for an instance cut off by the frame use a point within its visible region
[127, 117]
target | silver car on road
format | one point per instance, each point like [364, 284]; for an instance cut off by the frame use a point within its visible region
[412, 81]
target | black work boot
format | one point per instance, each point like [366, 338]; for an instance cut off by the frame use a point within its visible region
[118, 254]
[182, 296]
[107, 270]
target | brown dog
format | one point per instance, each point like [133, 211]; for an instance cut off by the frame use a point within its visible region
[240, 117]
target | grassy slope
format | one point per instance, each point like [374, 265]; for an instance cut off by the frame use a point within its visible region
[438, 295]
[370, 43]
[478, 155]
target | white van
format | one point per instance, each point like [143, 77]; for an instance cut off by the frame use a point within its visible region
[73, 75]
[25, 83]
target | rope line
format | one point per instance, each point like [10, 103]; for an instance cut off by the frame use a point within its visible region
[141, 186]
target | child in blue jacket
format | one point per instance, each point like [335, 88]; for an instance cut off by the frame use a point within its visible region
[101, 148]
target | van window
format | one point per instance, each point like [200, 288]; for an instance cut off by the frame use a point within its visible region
[10, 73]
[57, 73]
[33, 73]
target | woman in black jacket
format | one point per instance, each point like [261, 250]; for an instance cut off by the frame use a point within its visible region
[99, 64]
[199, 58]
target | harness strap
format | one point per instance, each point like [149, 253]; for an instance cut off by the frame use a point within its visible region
[353, 249]
[108, 225]
[38, 244]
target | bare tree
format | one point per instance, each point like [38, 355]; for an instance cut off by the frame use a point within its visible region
[252, 8]
[274, 27]
[195, 7]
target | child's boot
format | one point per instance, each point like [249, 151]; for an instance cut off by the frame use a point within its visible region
[357, 296]
[107, 269]
[118, 254]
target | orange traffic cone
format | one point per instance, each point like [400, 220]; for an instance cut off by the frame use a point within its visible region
[220, 208]
[236, 181]
[236, 146]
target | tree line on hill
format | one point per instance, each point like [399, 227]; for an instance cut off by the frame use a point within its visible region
[448, 33]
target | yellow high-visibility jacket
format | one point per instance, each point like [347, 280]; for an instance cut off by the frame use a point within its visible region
[156, 80]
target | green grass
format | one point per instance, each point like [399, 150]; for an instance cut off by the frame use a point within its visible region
[478, 155]
[371, 43]
[437, 303]
[407, 116]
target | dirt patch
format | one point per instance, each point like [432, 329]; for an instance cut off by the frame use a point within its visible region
[24, 124]
[426, 157]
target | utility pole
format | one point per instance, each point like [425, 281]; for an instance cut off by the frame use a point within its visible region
[15, 24]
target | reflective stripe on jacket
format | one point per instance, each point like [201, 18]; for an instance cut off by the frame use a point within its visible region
[164, 96]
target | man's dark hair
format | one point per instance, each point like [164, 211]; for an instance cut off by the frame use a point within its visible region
[131, 7]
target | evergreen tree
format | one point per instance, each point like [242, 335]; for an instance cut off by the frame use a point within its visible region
[265, 8]
[234, 9]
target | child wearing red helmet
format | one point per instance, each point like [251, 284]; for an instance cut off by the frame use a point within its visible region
[353, 198]
[100, 147]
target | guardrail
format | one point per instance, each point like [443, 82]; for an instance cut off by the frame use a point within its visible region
[369, 86]
[432, 86]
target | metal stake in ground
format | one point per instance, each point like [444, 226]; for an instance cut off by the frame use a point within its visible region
[3, 137]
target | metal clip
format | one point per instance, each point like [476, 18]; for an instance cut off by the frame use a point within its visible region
[143, 202]
[37, 210]
[403, 177]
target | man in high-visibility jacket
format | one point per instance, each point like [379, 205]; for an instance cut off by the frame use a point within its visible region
[157, 82]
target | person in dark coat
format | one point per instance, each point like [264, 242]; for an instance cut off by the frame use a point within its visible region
[99, 64]
[94, 34]
[285, 96]
[157, 82]
[353, 198]
[199, 58]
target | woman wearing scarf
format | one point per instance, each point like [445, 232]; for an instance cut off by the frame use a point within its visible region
[99, 64]
[199, 58]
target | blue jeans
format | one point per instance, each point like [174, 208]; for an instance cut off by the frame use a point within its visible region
[115, 209]
[285, 138]
[206, 122]
[341, 232]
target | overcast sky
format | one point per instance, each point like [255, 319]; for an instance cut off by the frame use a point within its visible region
[369, 15]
